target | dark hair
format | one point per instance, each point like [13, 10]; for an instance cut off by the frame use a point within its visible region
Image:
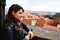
[15, 8]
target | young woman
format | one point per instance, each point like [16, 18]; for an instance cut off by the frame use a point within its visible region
[12, 27]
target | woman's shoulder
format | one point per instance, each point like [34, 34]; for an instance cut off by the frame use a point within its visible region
[8, 23]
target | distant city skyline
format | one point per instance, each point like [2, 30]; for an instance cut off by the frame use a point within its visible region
[36, 5]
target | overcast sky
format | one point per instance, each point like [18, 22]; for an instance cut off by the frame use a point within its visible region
[36, 5]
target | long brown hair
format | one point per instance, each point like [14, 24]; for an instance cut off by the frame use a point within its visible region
[15, 8]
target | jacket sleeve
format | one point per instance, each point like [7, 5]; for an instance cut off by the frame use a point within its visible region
[7, 32]
[25, 27]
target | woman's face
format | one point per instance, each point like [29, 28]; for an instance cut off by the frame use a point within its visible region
[18, 14]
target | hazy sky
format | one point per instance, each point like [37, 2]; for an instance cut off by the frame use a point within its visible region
[36, 5]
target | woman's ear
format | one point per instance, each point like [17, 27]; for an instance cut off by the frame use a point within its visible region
[13, 12]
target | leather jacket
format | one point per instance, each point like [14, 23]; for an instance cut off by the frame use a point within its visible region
[10, 33]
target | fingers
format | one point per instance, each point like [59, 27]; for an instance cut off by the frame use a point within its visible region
[27, 37]
[31, 35]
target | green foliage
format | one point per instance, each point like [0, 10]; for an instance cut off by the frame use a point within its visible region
[57, 15]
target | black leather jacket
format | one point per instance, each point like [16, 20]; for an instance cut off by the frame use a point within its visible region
[10, 33]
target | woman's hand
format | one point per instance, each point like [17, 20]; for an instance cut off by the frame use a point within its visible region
[30, 35]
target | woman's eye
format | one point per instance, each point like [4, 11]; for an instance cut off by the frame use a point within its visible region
[20, 13]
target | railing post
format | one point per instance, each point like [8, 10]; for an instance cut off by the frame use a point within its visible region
[2, 13]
